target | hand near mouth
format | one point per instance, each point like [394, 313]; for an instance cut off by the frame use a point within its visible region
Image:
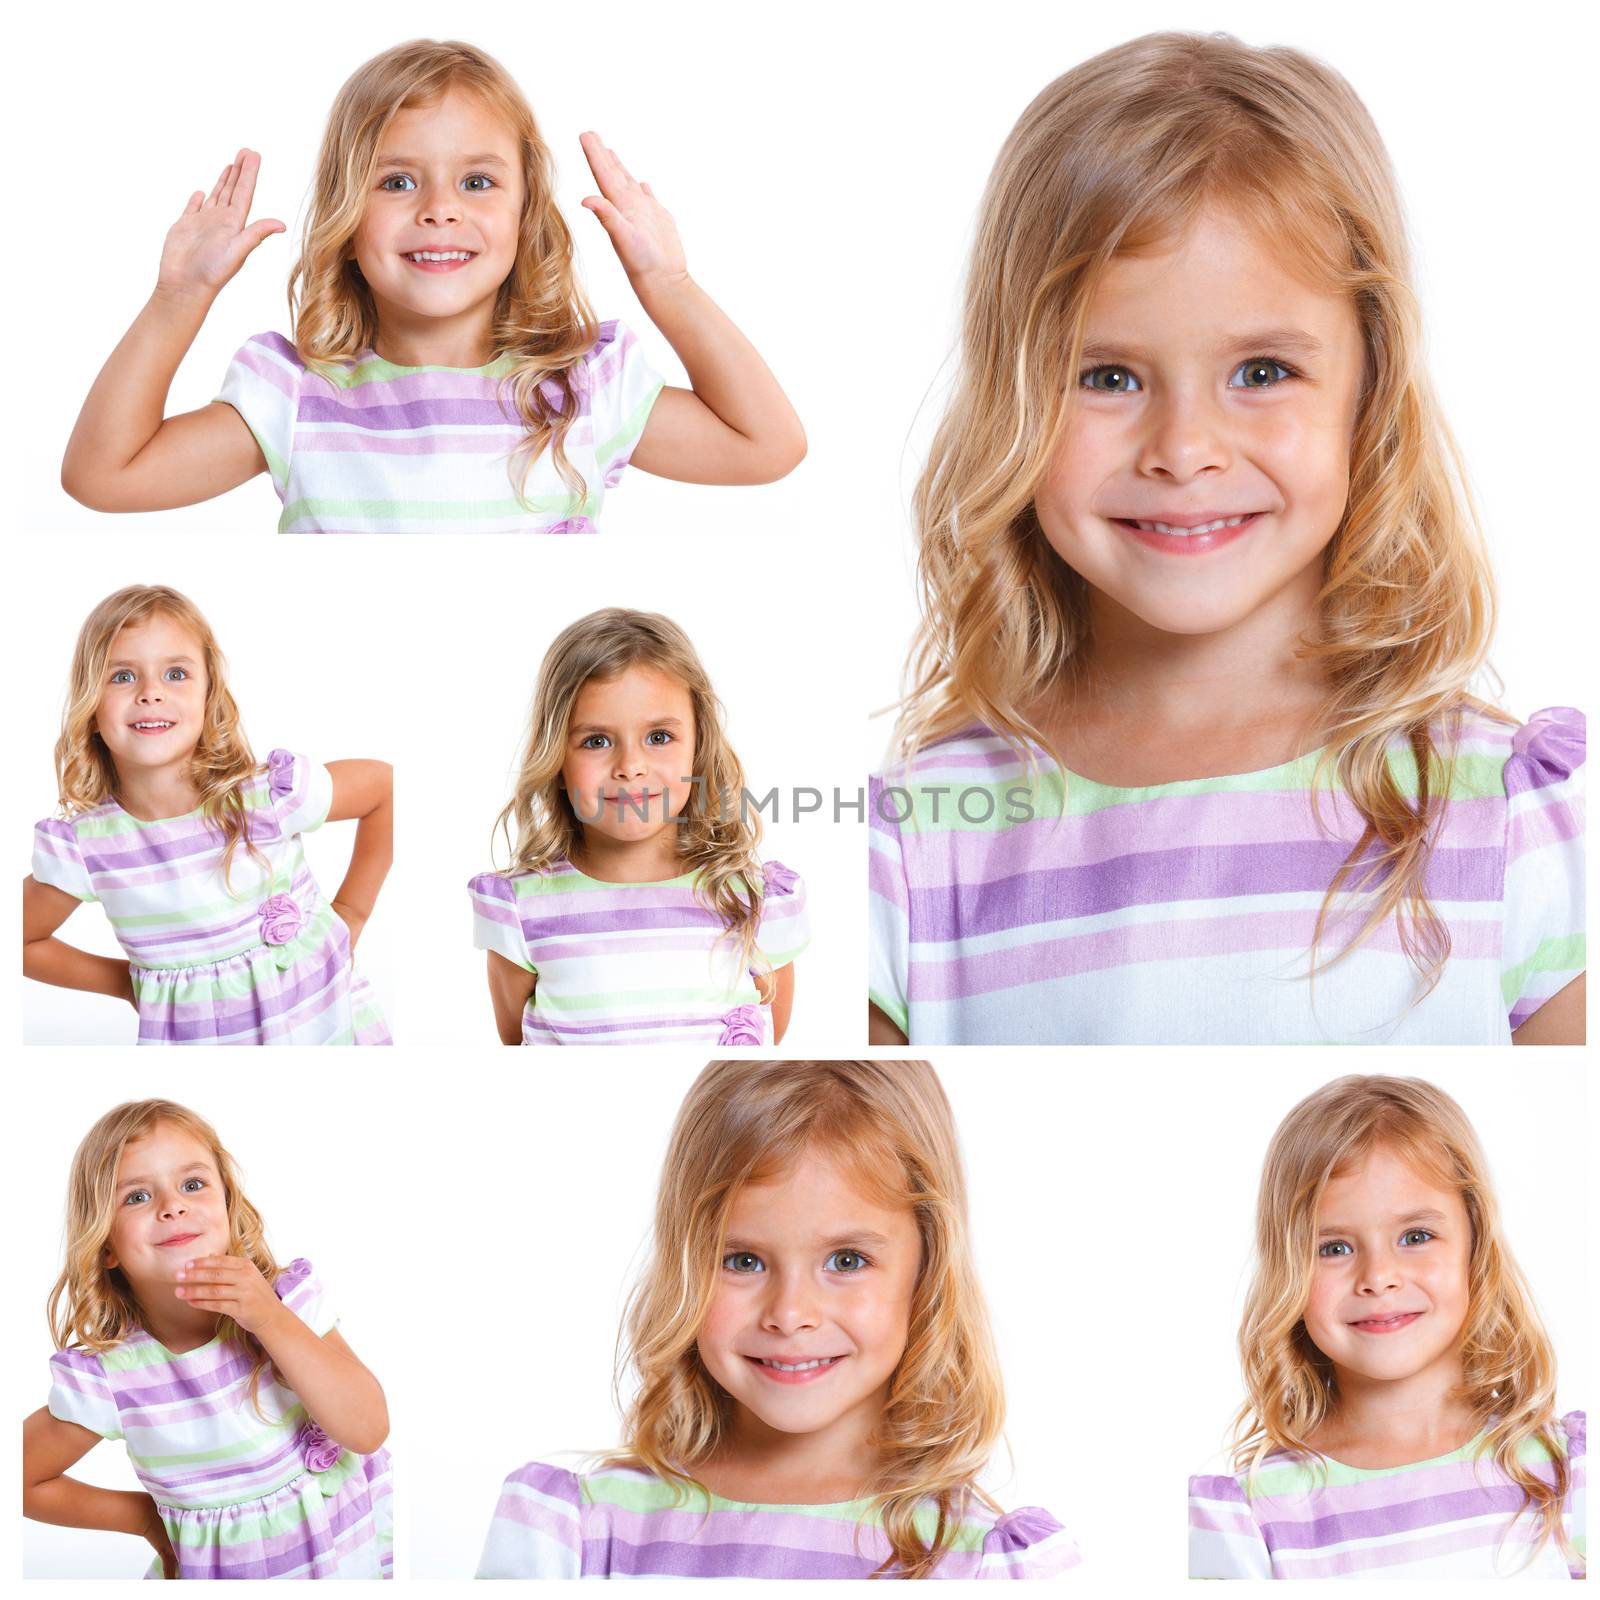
[208, 244]
[229, 1286]
[640, 228]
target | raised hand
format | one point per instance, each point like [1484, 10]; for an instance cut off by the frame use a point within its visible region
[208, 243]
[229, 1286]
[640, 228]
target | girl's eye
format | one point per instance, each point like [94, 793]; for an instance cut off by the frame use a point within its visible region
[478, 183]
[136, 1197]
[1415, 1236]
[595, 741]
[743, 1261]
[846, 1261]
[122, 675]
[193, 1185]
[1335, 1247]
[398, 183]
[658, 736]
[1109, 380]
[1262, 373]
[175, 674]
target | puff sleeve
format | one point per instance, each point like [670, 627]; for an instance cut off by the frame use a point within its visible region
[1027, 1543]
[262, 384]
[785, 928]
[300, 791]
[537, 1531]
[496, 922]
[302, 1291]
[1542, 948]
[1224, 1539]
[620, 388]
[58, 859]
[80, 1393]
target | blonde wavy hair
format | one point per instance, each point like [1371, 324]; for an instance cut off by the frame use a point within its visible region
[717, 834]
[221, 765]
[542, 321]
[1119, 155]
[1508, 1362]
[92, 1306]
[889, 1124]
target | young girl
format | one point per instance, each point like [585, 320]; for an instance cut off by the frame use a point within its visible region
[816, 1389]
[636, 910]
[1400, 1415]
[193, 847]
[1188, 753]
[444, 372]
[255, 1430]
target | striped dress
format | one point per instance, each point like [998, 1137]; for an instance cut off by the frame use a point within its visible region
[245, 1490]
[365, 446]
[260, 958]
[635, 963]
[1183, 913]
[1451, 1517]
[624, 1523]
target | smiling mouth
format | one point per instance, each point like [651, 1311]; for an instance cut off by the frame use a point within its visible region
[153, 725]
[1171, 538]
[439, 260]
[178, 1239]
[795, 1371]
[1401, 1319]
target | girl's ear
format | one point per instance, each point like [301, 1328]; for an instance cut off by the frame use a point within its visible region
[109, 1259]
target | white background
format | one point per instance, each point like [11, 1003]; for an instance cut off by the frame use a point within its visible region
[824, 164]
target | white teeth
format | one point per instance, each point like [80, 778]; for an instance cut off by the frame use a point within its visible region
[1189, 533]
[153, 724]
[800, 1366]
[439, 255]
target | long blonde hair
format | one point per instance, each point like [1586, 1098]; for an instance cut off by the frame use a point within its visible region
[718, 834]
[890, 1124]
[1115, 156]
[542, 322]
[92, 1306]
[1508, 1362]
[221, 765]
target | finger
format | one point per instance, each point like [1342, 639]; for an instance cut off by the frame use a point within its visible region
[244, 187]
[610, 218]
[196, 200]
[599, 159]
[644, 188]
[616, 161]
[216, 188]
[256, 232]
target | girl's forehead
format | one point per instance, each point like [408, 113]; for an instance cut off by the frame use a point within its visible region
[1389, 1177]
[634, 688]
[165, 1145]
[158, 634]
[820, 1187]
[460, 122]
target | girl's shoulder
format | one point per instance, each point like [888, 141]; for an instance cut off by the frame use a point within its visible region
[973, 749]
[271, 358]
[1493, 755]
[1572, 1431]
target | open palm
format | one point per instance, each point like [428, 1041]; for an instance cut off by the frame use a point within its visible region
[641, 229]
[208, 243]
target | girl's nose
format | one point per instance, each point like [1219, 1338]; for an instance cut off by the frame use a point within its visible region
[440, 206]
[150, 692]
[1187, 439]
[173, 1206]
[790, 1305]
[1381, 1274]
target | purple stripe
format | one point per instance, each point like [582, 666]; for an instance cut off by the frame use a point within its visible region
[265, 1012]
[441, 412]
[269, 371]
[610, 1557]
[425, 444]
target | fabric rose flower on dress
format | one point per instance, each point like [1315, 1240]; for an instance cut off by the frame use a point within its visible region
[779, 879]
[280, 919]
[280, 773]
[317, 1450]
[742, 1025]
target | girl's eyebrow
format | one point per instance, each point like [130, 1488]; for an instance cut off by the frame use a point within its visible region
[194, 1166]
[835, 1241]
[487, 159]
[602, 727]
[171, 661]
[1394, 1217]
[1291, 341]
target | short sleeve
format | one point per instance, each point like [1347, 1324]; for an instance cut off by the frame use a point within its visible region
[537, 1530]
[1224, 1539]
[80, 1393]
[302, 1291]
[620, 387]
[496, 924]
[301, 792]
[263, 385]
[888, 907]
[785, 927]
[1028, 1543]
[1542, 946]
[1575, 1513]
[58, 859]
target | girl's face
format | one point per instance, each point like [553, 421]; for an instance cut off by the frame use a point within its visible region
[152, 706]
[1389, 1288]
[1216, 385]
[439, 234]
[812, 1304]
[171, 1206]
[630, 754]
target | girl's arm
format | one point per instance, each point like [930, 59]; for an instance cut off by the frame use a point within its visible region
[124, 453]
[49, 1447]
[735, 425]
[510, 989]
[880, 1030]
[777, 990]
[339, 1394]
[1560, 1020]
[47, 959]
[363, 790]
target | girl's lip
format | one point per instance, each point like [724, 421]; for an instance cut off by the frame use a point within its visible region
[1185, 544]
[806, 1375]
[1401, 1319]
[439, 266]
[178, 1239]
[150, 733]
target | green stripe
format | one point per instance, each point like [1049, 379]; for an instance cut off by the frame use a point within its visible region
[1565, 953]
